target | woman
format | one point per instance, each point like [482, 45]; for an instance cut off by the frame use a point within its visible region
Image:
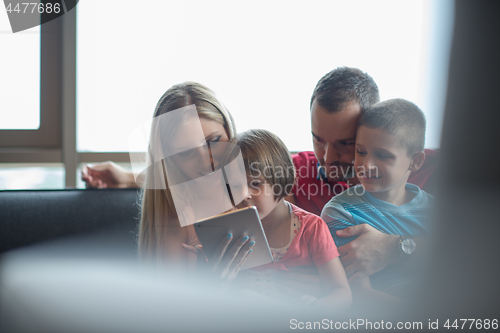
[161, 235]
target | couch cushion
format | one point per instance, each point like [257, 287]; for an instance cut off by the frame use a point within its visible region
[29, 217]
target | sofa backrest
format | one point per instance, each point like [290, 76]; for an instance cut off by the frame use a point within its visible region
[32, 216]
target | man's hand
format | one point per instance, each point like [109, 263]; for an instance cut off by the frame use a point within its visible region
[371, 252]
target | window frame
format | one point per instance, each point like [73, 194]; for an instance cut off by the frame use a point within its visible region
[55, 140]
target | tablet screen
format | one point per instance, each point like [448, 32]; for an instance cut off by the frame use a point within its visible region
[241, 222]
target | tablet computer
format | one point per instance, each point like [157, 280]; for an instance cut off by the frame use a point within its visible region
[244, 221]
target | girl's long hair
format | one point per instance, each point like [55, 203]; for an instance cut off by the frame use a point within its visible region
[158, 213]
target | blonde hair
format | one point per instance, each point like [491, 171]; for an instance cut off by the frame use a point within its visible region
[157, 209]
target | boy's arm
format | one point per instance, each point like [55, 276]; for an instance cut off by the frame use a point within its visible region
[334, 213]
[337, 218]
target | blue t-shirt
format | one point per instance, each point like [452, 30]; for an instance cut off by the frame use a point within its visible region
[355, 206]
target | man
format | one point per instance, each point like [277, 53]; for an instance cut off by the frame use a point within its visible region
[339, 99]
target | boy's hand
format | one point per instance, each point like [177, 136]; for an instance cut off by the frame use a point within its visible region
[371, 252]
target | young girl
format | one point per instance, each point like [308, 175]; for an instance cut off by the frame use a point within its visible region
[297, 238]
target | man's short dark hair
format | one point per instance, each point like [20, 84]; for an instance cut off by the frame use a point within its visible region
[400, 118]
[343, 85]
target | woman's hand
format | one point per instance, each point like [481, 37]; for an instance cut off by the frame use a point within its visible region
[225, 262]
[107, 175]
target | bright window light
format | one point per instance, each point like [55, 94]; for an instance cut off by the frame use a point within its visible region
[34, 176]
[20, 77]
[263, 58]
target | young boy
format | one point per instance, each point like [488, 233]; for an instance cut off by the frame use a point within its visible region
[389, 146]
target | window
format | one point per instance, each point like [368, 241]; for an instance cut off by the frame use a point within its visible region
[20, 58]
[31, 102]
[31, 176]
[262, 58]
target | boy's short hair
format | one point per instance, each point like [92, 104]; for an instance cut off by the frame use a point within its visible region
[343, 85]
[400, 118]
[265, 155]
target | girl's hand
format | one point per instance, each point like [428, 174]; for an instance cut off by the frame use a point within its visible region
[225, 263]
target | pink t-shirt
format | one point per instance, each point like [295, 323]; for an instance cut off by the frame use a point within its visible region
[312, 245]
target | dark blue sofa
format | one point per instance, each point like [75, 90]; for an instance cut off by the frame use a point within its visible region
[102, 217]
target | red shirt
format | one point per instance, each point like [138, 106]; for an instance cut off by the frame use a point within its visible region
[312, 193]
[312, 246]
